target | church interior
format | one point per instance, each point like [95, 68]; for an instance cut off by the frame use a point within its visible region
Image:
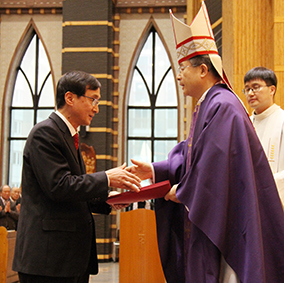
[129, 47]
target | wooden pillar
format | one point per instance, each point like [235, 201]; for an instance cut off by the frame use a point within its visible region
[248, 39]
[278, 45]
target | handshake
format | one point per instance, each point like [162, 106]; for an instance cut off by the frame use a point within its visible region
[130, 178]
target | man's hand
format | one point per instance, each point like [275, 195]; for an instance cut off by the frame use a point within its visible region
[141, 169]
[8, 207]
[121, 178]
[120, 205]
[171, 195]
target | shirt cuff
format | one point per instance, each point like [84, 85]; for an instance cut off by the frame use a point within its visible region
[153, 174]
[108, 181]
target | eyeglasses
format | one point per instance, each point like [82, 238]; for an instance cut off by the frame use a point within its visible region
[95, 101]
[256, 89]
[182, 68]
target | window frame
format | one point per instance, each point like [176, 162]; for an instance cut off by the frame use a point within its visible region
[152, 94]
[30, 31]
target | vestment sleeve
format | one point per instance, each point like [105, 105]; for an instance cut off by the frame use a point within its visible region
[171, 168]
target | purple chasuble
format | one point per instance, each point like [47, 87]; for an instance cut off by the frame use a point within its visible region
[234, 206]
[187, 223]
[191, 132]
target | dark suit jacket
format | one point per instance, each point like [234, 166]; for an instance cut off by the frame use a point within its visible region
[8, 220]
[56, 230]
[14, 211]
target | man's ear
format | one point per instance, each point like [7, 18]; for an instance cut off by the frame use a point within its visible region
[69, 98]
[203, 70]
[272, 90]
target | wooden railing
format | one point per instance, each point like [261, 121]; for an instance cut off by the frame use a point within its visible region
[7, 246]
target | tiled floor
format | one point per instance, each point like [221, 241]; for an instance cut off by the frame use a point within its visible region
[108, 273]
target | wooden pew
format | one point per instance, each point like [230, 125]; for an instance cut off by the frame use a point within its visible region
[12, 276]
[3, 254]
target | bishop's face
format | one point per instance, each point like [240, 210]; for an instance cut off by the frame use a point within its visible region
[189, 79]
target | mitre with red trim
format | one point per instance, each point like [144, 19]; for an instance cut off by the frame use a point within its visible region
[197, 39]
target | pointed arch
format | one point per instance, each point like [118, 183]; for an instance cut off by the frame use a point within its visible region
[151, 24]
[150, 99]
[29, 96]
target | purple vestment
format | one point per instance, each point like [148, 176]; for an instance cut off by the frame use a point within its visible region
[234, 206]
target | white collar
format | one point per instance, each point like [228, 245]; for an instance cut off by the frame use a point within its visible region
[72, 130]
[266, 113]
[206, 91]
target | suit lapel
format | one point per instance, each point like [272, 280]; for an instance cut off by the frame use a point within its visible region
[82, 163]
[66, 135]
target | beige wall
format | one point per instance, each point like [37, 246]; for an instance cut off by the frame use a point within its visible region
[12, 29]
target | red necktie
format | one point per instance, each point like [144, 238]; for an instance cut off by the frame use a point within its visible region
[76, 140]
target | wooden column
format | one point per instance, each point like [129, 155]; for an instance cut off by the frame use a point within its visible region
[248, 38]
[278, 45]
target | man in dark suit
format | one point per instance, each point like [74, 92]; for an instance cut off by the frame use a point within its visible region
[15, 195]
[8, 212]
[56, 231]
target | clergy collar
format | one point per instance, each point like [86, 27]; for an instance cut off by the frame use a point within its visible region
[266, 113]
[203, 96]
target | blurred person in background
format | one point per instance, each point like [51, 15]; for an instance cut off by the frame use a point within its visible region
[9, 214]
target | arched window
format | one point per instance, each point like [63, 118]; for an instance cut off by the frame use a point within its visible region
[32, 102]
[152, 106]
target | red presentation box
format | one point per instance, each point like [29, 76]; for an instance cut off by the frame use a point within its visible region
[158, 190]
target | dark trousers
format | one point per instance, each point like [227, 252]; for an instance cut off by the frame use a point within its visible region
[28, 278]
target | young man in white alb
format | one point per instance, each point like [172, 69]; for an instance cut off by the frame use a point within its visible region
[268, 119]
